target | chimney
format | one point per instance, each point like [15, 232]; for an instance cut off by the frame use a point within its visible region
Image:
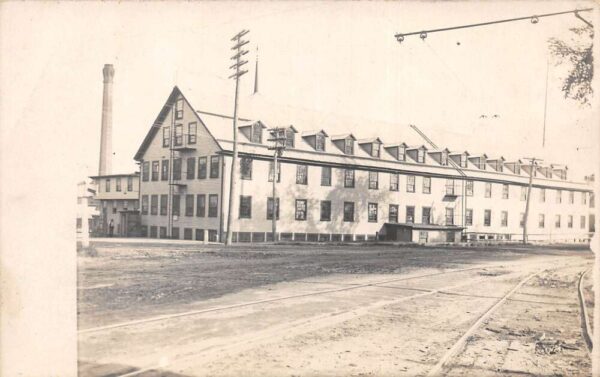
[106, 132]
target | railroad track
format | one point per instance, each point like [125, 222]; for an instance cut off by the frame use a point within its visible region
[311, 324]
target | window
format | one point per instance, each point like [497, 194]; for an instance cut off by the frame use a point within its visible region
[145, 171]
[154, 204]
[326, 176]
[582, 222]
[270, 208]
[426, 185]
[375, 149]
[246, 168]
[187, 233]
[214, 166]
[372, 212]
[469, 188]
[504, 191]
[144, 204]
[118, 184]
[504, 218]
[164, 175]
[163, 204]
[463, 160]
[348, 211]
[426, 215]
[488, 190]
[450, 187]
[191, 168]
[401, 153]
[349, 146]
[348, 178]
[175, 234]
[583, 198]
[129, 183]
[176, 205]
[523, 193]
[212, 235]
[487, 217]
[410, 214]
[373, 180]
[320, 142]
[256, 133]
[394, 181]
[199, 234]
[571, 197]
[449, 216]
[521, 219]
[444, 158]
[410, 183]
[541, 220]
[557, 221]
[201, 205]
[245, 207]
[300, 209]
[570, 221]
[189, 204]
[289, 138]
[176, 169]
[107, 186]
[271, 171]
[201, 167]
[179, 109]
[423, 237]
[542, 195]
[558, 196]
[155, 169]
[192, 132]
[325, 210]
[517, 169]
[302, 174]
[421, 155]
[468, 217]
[166, 136]
[178, 135]
[213, 204]
[114, 208]
[393, 215]
[162, 232]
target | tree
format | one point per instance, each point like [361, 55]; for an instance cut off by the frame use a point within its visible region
[578, 53]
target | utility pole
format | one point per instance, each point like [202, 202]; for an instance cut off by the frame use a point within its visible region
[532, 165]
[171, 172]
[278, 139]
[239, 43]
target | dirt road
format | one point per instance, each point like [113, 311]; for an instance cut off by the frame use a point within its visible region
[283, 311]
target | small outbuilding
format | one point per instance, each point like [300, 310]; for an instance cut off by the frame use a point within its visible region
[420, 233]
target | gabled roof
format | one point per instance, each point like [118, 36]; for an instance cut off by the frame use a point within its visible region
[393, 145]
[343, 136]
[459, 153]
[439, 150]
[479, 156]
[413, 147]
[252, 124]
[291, 127]
[370, 140]
[314, 132]
[496, 159]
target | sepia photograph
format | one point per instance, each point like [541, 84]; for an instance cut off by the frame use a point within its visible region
[299, 188]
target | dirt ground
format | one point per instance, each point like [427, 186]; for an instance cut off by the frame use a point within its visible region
[324, 310]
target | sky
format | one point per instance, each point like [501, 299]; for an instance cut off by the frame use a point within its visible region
[336, 58]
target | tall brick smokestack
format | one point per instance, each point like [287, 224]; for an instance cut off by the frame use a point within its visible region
[106, 134]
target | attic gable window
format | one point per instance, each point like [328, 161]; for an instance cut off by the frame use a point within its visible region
[349, 146]
[179, 109]
[320, 142]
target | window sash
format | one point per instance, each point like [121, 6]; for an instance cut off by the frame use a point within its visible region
[164, 199]
[202, 167]
[488, 190]
[245, 207]
[191, 168]
[144, 204]
[325, 210]
[192, 129]
[145, 171]
[320, 143]
[270, 208]
[393, 213]
[246, 168]
[166, 137]
[177, 169]
[213, 205]
[302, 174]
[469, 217]
[348, 211]
[155, 170]
[300, 209]
[394, 181]
[176, 205]
[129, 184]
[410, 183]
[426, 215]
[178, 135]
[505, 191]
[349, 178]
[373, 180]
[326, 176]
[349, 146]
[271, 171]
[154, 205]
[164, 175]
[426, 185]
[189, 204]
[410, 214]
[118, 184]
[487, 217]
[504, 218]
[214, 166]
[372, 212]
[200, 205]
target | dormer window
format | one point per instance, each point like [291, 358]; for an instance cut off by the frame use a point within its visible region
[517, 169]
[421, 155]
[289, 138]
[401, 153]
[349, 146]
[444, 158]
[256, 133]
[320, 143]
[375, 151]
[463, 160]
